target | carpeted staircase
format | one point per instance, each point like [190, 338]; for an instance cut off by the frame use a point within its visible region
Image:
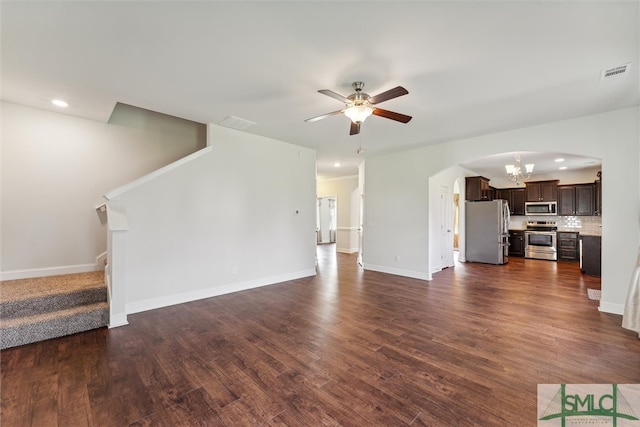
[37, 309]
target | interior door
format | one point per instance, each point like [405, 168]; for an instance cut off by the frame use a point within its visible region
[446, 227]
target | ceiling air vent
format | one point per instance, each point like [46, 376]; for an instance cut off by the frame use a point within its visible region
[610, 73]
[237, 123]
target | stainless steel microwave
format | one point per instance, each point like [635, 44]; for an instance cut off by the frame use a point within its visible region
[540, 208]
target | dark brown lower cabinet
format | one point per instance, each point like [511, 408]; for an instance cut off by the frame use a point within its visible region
[567, 246]
[591, 248]
[516, 243]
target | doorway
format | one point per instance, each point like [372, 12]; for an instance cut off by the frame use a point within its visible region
[456, 215]
[326, 220]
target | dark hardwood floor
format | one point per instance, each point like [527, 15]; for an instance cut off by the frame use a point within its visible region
[344, 348]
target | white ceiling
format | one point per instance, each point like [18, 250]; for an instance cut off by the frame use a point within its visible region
[471, 68]
[546, 166]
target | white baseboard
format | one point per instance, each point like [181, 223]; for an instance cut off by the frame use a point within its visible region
[398, 271]
[49, 271]
[117, 320]
[347, 250]
[166, 301]
[608, 307]
[101, 261]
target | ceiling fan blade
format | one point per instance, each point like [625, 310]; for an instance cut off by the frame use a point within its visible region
[391, 115]
[334, 95]
[390, 94]
[315, 119]
[355, 129]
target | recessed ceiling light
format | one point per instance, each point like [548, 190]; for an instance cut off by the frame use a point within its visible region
[559, 160]
[59, 103]
[336, 164]
[562, 168]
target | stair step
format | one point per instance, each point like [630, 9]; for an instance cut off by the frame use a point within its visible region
[41, 308]
[21, 289]
[39, 327]
[51, 302]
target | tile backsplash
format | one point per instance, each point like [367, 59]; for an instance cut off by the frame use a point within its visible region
[583, 224]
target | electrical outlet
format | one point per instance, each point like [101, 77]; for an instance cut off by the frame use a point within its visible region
[397, 258]
[234, 270]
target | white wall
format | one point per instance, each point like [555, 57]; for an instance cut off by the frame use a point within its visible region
[397, 204]
[240, 214]
[55, 169]
[396, 212]
[348, 199]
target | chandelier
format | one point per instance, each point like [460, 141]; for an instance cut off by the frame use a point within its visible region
[515, 172]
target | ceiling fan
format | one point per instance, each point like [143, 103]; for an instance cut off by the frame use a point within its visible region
[360, 105]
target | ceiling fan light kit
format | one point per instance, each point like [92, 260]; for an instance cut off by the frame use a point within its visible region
[358, 113]
[360, 105]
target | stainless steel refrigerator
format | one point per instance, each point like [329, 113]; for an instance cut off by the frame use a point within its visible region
[487, 232]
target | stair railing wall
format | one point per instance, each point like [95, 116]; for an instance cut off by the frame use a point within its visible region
[115, 271]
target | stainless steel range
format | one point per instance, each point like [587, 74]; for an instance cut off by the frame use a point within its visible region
[540, 240]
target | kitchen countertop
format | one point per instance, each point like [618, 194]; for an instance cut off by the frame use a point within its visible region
[567, 230]
[582, 232]
[585, 225]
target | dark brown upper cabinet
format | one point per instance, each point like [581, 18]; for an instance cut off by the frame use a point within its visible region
[542, 191]
[515, 197]
[578, 199]
[478, 188]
